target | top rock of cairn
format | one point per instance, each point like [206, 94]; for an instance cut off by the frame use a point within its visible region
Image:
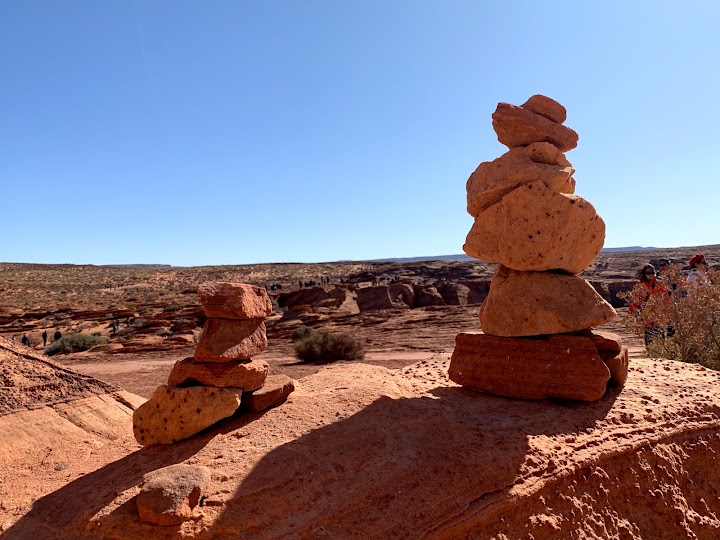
[539, 119]
[225, 300]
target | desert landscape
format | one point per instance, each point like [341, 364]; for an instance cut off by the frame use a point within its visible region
[378, 437]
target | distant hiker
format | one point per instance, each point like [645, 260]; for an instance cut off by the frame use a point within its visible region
[651, 286]
[57, 335]
[25, 340]
[698, 267]
[44, 337]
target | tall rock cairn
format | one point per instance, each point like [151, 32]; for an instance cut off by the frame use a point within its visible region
[222, 377]
[537, 340]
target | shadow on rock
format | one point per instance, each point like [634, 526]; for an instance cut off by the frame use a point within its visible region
[400, 468]
[72, 505]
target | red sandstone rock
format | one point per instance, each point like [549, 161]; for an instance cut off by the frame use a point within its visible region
[247, 375]
[227, 300]
[169, 495]
[537, 303]
[275, 390]
[618, 364]
[516, 126]
[567, 367]
[371, 298]
[231, 339]
[544, 106]
[173, 414]
[534, 228]
[539, 162]
[604, 341]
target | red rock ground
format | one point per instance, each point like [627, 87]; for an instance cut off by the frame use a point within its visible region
[363, 451]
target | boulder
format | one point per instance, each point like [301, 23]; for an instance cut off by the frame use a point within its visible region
[539, 162]
[247, 375]
[479, 289]
[173, 414]
[567, 367]
[534, 228]
[341, 298]
[225, 300]
[275, 390]
[547, 107]
[517, 126]
[537, 303]
[370, 298]
[454, 294]
[231, 339]
[307, 296]
[169, 495]
[426, 295]
[402, 293]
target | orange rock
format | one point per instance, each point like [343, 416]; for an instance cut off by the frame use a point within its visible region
[534, 228]
[231, 339]
[246, 375]
[225, 300]
[539, 162]
[516, 126]
[567, 367]
[169, 495]
[544, 106]
[537, 303]
[604, 341]
[173, 414]
[618, 363]
[275, 390]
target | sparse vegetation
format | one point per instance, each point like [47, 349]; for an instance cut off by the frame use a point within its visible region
[74, 343]
[325, 346]
[687, 322]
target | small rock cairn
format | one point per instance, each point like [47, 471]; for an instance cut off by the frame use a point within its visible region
[222, 376]
[537, 340]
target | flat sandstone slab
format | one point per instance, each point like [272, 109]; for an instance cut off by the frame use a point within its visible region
[275, 390]
[224, 340]
[562, 366]
[247, 375]
[173, 414]
[226, 300]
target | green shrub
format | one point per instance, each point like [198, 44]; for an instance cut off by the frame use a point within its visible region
[690, 313]
[325, 346]
[172, 307]
[301, 332]
[74, 343]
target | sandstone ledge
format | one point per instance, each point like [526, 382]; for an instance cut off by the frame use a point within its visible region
[360, 451]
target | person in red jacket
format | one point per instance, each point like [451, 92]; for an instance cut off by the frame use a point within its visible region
[651, 287]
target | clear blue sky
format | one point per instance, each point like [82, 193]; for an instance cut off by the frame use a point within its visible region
[233, 132]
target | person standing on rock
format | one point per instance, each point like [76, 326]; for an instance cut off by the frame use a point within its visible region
[651, 287]
[44, 338]
[698, 269]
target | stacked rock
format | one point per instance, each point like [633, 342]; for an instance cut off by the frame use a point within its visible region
[537, 340]
[222, 376]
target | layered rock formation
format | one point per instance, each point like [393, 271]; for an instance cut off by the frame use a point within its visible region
[222, 374]
[528, 219]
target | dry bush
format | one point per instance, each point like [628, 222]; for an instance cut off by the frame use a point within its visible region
[326, 346]
[687, 320]
[74, 343]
